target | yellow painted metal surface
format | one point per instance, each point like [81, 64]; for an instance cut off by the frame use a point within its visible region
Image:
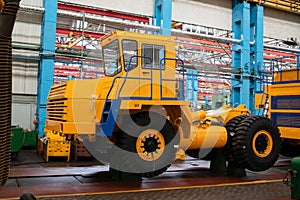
[289, 132]
[209, 137]
[286, 86]
[287, 75]
[158, 143]
[286, 5]
[1, 5]
[262, 153]
[56, 146]
[260, 100]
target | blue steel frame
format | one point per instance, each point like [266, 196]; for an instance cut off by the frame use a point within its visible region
[247, 25]
[46, 67]
[163, 16]
[192, 86]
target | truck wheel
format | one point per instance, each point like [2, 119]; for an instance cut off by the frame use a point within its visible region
[290, 148]
[230, 127]
[150, 143]
[256, 144]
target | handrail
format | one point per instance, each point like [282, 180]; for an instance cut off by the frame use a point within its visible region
[126, 77]
[161, 79]
[127, 69]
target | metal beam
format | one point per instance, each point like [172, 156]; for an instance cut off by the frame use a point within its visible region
[257, 60]
[163, 16]
[46, 67]
[241, 54]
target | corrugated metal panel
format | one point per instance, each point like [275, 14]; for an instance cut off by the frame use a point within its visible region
[23, 99]
[138, 7]
[23, 115]
[38, 3]
[26, 32]
[25, 78]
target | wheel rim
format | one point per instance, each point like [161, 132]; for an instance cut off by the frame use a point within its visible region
[262, 143]
[150, 145]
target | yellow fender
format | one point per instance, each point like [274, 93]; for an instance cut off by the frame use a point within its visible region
[1, 5]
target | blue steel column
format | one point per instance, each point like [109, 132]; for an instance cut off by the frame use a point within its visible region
[298, 61]
[241, 54]
[192, 86]
[257, 62]
[163, 16]
[46, 67]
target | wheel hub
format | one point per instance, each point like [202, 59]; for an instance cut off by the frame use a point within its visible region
[150, 145]
[262, 143]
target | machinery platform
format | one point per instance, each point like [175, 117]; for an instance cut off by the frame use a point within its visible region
[190, 179]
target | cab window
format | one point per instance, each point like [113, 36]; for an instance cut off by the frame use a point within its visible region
[111, 57]
[130, 51]
[156, 53]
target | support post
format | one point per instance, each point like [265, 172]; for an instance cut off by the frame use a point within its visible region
[257, 50]
[192, 87]
[241, 54]
[247, 25]
[163, 16]
[46, 65]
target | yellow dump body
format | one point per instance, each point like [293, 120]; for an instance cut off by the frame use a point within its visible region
[284, 105]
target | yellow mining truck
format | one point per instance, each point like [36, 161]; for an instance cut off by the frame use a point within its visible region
[136, 117]
[281, 103]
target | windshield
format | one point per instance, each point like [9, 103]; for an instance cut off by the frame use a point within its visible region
[111, 57]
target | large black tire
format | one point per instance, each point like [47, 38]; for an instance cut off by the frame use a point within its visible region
[256, 144]
[290, 148]
[231, 132]
[140, 155]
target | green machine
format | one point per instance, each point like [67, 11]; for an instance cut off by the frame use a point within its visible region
[22, 138]
[292, 178]
[30, 138]
[17, 139]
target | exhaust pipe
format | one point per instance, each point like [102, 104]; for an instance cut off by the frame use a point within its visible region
[7, 21]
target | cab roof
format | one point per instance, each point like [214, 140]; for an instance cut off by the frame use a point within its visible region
[136, 36]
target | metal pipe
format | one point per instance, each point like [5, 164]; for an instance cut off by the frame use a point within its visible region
[282, 48]
[289, 6]
[204, 36]
[34, 9]
[106, 20]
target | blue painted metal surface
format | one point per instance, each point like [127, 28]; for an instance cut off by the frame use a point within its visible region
[192, 86]
[46, 67]
[241, 54]
[109, 117]
[298, 61]
[247, 25]
[257, 60]
[285, 102]
[286, 119]
[163, 16]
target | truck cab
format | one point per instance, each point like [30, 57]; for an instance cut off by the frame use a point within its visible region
[146, 63]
